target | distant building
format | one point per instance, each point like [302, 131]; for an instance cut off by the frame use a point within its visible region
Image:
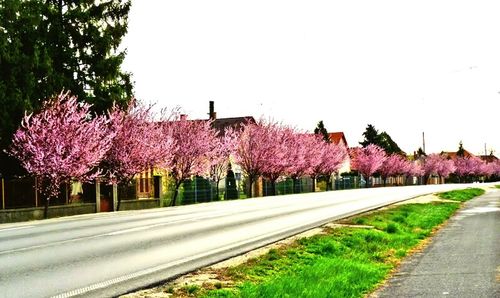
[221, 124]
[488, 158]
[454, 155]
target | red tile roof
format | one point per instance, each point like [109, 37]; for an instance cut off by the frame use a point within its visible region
[453, 155]
[488, 158]
[336, 137]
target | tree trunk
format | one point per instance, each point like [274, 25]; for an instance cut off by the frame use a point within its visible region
[119, 203]
[273, 187]
[250, 182]
[385, 181]
[296, 185]
[217, 190]
[367, 180]
[46, 209]
[177, 185]
[313, 184]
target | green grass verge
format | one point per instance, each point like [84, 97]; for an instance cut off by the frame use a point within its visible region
[345, 262]
[462, 195]
[497, 186]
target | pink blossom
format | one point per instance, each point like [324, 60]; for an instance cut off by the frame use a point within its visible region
[62, 142]
[224, 146]
[368, 160]
[257, 150]
[192, 149]
[138, 144]
[437, 164]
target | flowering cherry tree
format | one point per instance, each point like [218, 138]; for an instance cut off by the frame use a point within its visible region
[223, 148]
[61, 143]
[393, 165]
[495, 168]
[415, 169]
[191, 152]
[327, 158]
[446, 167]
[137, 146]
[437, 164]
[302, 155]
[254, 149]
[468, 167]
[368, 160]
[279, 158]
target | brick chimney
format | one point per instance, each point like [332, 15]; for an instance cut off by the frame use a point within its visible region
[211, 111]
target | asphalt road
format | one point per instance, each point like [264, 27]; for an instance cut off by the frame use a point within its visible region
[463, 259]
[109, 254]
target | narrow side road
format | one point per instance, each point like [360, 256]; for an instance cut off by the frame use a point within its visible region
[463, 260]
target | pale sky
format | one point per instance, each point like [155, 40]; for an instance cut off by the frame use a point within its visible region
[403, 66]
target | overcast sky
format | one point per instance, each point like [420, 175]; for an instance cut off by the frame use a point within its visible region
[403, 66]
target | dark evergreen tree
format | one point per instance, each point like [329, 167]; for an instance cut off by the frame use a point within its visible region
[370, 136]
[24, 63]
[231, 190]
[47, 46]
[383, 140]
[320, 129]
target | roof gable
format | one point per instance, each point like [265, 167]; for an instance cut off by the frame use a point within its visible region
[236, 123]
[337, 137]
[453, 155]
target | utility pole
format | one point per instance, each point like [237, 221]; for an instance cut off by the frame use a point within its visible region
[423, 141]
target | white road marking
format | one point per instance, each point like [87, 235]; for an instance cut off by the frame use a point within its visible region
[16, 228]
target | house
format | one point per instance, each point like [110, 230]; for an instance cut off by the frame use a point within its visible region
[236, 123]
[488, 158]
[147, 184]
[221, 124]
[454, 155]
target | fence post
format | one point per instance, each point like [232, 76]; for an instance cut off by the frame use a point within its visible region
[66, 192]
[115, 196]
[36, 192]
[97, 196]
[3, 194]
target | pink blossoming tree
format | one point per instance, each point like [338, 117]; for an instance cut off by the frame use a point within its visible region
[368, 160]
[437, 164]
[224, 146]
[279, 158]
[467, 167]
[62, 142]
[192, 150]
[327, 159]
[301, 152]
[254, 150]
[394, 165]
[138, 144]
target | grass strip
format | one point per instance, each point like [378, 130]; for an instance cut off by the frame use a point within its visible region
[344, 262]
[462, 195]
